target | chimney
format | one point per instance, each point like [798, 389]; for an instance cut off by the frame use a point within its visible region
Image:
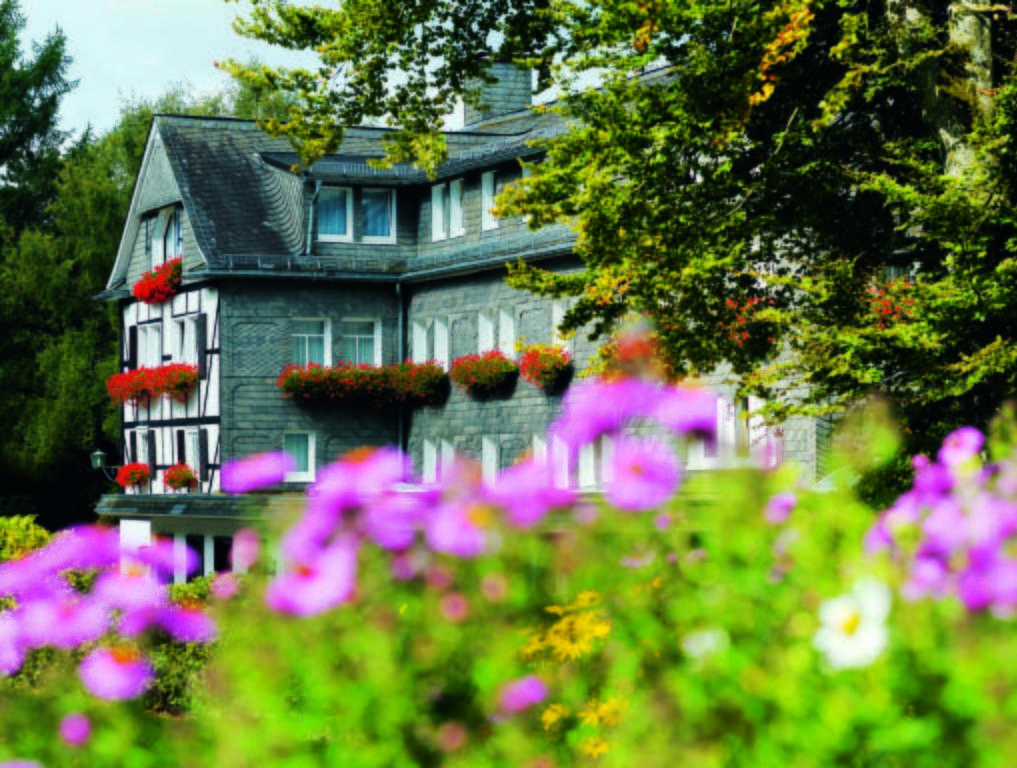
[512, 91]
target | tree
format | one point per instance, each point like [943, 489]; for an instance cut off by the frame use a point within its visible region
[831, 179]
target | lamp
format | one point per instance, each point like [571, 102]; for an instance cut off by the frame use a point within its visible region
[99, 462]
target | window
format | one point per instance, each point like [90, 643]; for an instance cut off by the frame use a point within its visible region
[361, 341]
[300, 445]
[488, 190]
[429, 469]
[149, 345]
[447, 210]
[595, 463]
[441, 341]
[485, 330]
[334, 214]
[446, 459]
[507, 332]
[172, 237]
[378, 215]
[557, 316]
[187, 351]
[489, 458]
[310, 342]
[419, 341]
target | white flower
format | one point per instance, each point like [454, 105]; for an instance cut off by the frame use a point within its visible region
[705, 642]
[854, 631]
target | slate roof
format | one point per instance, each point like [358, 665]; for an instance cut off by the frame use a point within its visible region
[242, 196]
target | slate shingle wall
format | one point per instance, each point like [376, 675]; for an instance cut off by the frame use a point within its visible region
[255, 328]
[510, 422]
[512, 92]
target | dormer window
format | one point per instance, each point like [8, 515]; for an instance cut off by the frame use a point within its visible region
[447, 210]
[335, 214]
[378, 215]
[164, 235]
[173, 237]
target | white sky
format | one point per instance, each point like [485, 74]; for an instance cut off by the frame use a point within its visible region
[131, 49]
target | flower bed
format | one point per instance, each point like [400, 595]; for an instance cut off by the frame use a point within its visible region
[406, 383]
[180, 476]
[160, 284]
[489, 374]
[547, 367]
[175, 380]
[135, 473]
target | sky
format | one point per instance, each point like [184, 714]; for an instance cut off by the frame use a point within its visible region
[138, 49]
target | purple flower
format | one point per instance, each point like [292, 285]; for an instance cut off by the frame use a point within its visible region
[187, 624]
[116, 673]
[245, 549]
[961, 445]
[644, 475]
[12, 649]
[259, 471]
[132, 588]
[456, 527]
[393, 519]
[688, 411]
[526, 491]
[317, 583]
[521, 694]
[224, 586]
[63, 622]
[20, 764]
[592, 408]
[75, 729]
[778, 509]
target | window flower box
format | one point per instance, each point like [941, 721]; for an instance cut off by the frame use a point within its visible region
[174, 380]
[489, 374]
[180, 477]
[160, 284]
[135, 473]
[411, 384]
[547, 367]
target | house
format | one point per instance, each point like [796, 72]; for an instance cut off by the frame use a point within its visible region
[344, 261]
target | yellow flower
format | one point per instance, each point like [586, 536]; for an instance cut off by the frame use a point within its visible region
[594, 747]
[553, 715]
[607, 713]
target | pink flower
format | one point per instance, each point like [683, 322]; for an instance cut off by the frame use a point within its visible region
[526, 492]
[224, 586]
[645, 475]
[597, 406]
[521, 694]
[454, 607]
[245, 549]
[255, 472]
[116, 673]
[318, 583]
[778, 508]
[457, 528]
[961, 445]
[689, 410]
[12, 649]
[63, 622]
[75, 729]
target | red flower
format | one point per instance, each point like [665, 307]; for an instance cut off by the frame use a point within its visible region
[161, 284]
[132, 474]
[382, 386]
[175, 380]
[180, 476]
[483, 375]
[547, 367]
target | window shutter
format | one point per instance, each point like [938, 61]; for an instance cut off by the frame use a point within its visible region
[151, 453]
[181, 447]
[203, 455]
[438, 212]
[132, 347]
[132, 448]
[200, 344]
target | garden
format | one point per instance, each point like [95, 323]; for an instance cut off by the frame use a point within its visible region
[738, 617]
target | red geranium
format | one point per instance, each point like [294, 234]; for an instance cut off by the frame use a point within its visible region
[161, 283]
[180, 476]
[406, 383]
[175, 380]
[135, 473]
[485, 375]
[547, 367]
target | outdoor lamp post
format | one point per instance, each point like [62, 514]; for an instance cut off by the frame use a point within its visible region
[99, 462]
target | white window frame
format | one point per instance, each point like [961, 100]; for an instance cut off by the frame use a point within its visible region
[456, 215]
[488, 192]
[487, 322]
[297, 476]
[595, 463]
[158, 255]
[488, 458]
[328, 336]
[173, 226]
[187, 332]
[377, 334]
[150, 345]
[441, 341]
[191, 450]
[446, 458]
[429, 465]
[507, 332]
[392, 223]
[725, 440]
[418, 341]
[331, 238]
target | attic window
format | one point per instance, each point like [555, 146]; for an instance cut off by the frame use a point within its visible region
[378, 215]
[335, 214]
